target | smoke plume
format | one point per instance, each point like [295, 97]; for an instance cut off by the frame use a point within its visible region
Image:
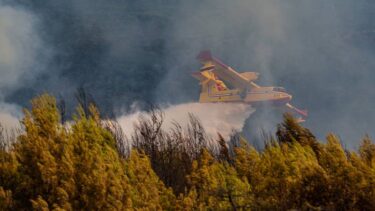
[125, 51]
[20, 57]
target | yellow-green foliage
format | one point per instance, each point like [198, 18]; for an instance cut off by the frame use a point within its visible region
[55, 167]
[215, 185]
[79, 167]
[147, 191]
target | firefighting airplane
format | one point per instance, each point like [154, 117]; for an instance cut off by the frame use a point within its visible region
[214, 77]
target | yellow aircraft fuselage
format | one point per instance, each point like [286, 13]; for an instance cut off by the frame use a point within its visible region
[214, 75]
[213, 92]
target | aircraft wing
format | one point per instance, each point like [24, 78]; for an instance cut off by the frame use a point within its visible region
[226, 73]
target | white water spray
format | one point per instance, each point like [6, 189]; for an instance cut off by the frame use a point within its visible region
[216, 118]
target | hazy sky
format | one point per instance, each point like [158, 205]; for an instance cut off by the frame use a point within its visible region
[143, 51]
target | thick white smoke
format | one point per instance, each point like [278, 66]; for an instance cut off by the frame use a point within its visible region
[9, 115]
[20, 48]
[216, 118]
[20, 45]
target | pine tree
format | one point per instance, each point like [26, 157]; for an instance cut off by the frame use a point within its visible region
[367, 151]
[75, 168]
[147, 190]
[6, 199]
[43, 156]
[291, 131]
[216, 186]
[78, 166]
[343, 176]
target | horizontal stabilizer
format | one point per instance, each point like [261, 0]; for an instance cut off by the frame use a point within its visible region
[204, 76]
[199, 76]
[207, 67]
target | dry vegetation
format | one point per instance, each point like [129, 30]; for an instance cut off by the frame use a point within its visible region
[92, 166]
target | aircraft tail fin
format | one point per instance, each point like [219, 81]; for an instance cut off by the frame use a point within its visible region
[209, 84]
[204, 55]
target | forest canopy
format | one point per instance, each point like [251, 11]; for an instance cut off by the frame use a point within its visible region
[89, 164]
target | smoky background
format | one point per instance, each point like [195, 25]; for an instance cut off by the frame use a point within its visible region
[124, 52]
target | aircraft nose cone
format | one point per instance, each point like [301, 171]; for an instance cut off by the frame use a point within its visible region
[286, 98]
[281, 100]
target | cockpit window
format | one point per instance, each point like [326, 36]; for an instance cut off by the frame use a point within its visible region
[279, 89]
